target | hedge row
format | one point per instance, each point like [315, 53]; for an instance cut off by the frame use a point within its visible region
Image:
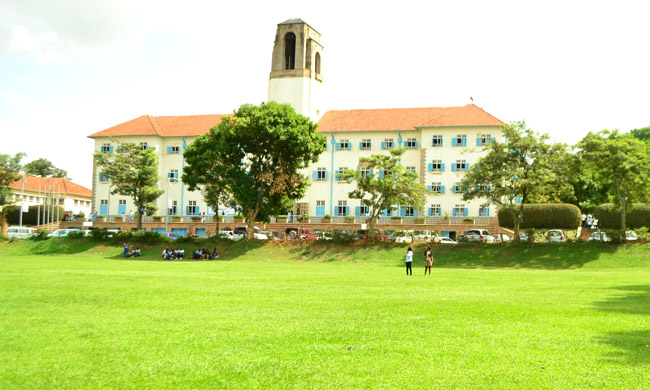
[609, 216]
[29, 218]
[544, 216]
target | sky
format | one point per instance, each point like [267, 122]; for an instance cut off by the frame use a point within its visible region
[69, 68]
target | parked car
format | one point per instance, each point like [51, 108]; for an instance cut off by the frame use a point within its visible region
[59, 233]
[523, 237]
[225, 234]
[599, 236]
[241, 231]
[302, 233]
[502, 238]
[631, 236]
[446, 240]
[171, 236]
[20, 232]
[478, 235]
[555, 236]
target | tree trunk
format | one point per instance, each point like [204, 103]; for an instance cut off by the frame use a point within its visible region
[517, 217]
[217, 217]
[250, 222]
[3, 226]
[623, 212]
[139, 221]
[371, 233]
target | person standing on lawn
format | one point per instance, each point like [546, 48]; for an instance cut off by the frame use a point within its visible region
[126, 249]
[428, 260]
[409, 261]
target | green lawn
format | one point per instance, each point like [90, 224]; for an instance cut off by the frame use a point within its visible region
[73, 316]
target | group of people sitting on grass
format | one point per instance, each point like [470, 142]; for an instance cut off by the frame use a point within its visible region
[173, 254]
[204, 254]
[134, 253]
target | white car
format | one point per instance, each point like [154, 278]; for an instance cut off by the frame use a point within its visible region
[20, 232]
[403, 239]
[599, 236]
[631, 236]
[240, 232]
[59, 233]
[480, 235]
[446, 240]
[555, 236]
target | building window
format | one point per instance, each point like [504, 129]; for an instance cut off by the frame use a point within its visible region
[456, 188]
[486, 139]
[173, 174]
[484, 210]
[459, 210]
[411, 143]
[461, 165]
[317, 67]
[122, 202]
[144, 146]
[344, 144]
[365, 144]
[321, 174]
[410, 169]
[191, 208]
[340, 172]
[103, 202]
[435, 166]
[435, 187]
[387, 144]
[320, 203]
[174, 149]
[435, 210]
[103, 177]
[437, 141]
[107, 148]
[76, 202]
[289, 51]
[365, 172]
[459, 140]
[174, 208]
[364, 210]
[342, 208]
[408, 211]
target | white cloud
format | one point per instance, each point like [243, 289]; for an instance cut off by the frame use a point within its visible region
[11, 96]
[45, 45]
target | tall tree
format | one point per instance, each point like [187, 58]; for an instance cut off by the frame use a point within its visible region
[9, 173]
[44, 168]
[383, 182]
[262, 150]
[519, 171]
[205, 171]
[621, 160]
[133, 172]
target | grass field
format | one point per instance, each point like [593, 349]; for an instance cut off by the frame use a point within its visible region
[74, 316]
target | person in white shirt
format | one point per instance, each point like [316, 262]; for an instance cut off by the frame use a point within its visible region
[409, 261]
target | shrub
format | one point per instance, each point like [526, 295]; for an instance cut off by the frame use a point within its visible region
[327, 216]
[118, 218]
[343, 236]
[468, 219]
[609, 216]
[12, 213]
[395, 217]
[421, 219]
[75, 234]
[241, 216]
[99, 234]
[544, 216]
[221, 216]
[616, 236]
[40, 235]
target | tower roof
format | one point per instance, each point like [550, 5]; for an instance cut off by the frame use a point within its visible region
[297, 21]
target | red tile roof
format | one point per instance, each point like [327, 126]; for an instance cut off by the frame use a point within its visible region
[165, 126]
[57, 183]
[405, 118]
[346, 120]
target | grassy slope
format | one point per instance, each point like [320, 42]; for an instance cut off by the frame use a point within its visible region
[573, 317]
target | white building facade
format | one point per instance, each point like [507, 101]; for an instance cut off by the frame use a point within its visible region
[441, 142]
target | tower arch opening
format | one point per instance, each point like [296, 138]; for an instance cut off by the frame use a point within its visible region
[317, 64]
[289, 51]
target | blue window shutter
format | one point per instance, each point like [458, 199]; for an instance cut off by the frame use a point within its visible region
[314, 175]
[454, 141]
[453, 167]
[478, 141]
[383, 212]
[430, 188]
[338, 146]
[337, 175]
[371, 173]
[394, 175]
[110, 149]
[360, 147]
[467, 166]
[169, 150]
[431, 211]
[399, 140]
[197, 210]
[487, 211]
[442, 189]
[442, 167]
[347, 210]
[357, 211]
[453, 189]
[349, 145]
[402, 211]
[381, 174]
[187, 210]
[493, 140]
[416, 144]
[415, 213]
[430, 167]
[464, 141]
[325, 175]
[453, 212]
[465, 212]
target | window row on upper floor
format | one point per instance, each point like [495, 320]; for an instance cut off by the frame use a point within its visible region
[412, 143]
[108, 148]
[320, 174]
[342, 209]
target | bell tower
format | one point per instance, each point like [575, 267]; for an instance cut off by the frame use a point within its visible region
[296, 68]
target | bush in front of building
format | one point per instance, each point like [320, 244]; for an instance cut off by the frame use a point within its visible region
[544, 216]
[29, 218]
[609, 216]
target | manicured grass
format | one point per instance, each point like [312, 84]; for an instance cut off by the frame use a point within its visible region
[324, 316]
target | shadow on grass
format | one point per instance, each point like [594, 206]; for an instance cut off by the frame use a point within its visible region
[632, 347]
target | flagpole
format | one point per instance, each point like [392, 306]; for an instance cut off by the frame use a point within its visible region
[22, 202]
[38, 207]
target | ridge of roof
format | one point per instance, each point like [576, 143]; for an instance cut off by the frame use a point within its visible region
[34, 183]
[164, 126]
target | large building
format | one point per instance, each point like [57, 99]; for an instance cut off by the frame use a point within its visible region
[442, 142]
[35, 190]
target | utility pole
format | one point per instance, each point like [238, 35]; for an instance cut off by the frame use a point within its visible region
[22, 201]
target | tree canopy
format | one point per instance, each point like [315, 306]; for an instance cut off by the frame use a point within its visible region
[44, 168]
[619, 159]
[133, 171]
[383, 182]
[524, 169]
[9, 173]
[258, 152]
